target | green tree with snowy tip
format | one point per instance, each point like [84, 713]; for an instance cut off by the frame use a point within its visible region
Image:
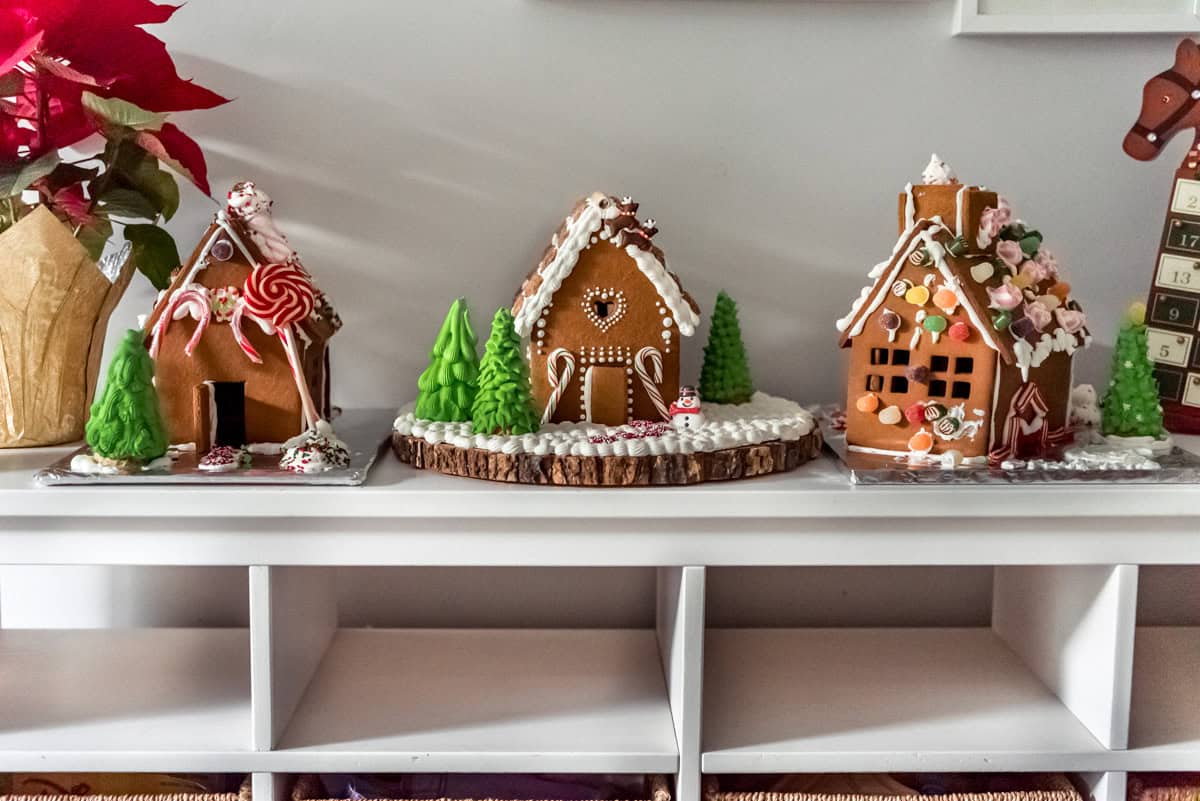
[725, 376]
[126, 422]
[446, 390]
[504, 403]
[1131, 407]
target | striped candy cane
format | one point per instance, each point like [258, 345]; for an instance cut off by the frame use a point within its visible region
[558, 381]
[190, 300]
[650, 381]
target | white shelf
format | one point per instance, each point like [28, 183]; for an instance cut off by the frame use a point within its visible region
[125, 699]
[463, 700]
[850, 700]
[1165, 712]
[1023, 17]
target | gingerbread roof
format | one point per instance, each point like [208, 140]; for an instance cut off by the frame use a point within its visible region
[324, 321]
[615, 220]
[1018, 305]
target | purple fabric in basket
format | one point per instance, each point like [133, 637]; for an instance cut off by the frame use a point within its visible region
[514, 787]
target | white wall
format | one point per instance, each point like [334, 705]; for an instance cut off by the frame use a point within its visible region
[422, 149]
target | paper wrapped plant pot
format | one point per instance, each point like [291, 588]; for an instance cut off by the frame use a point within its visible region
[54, 308]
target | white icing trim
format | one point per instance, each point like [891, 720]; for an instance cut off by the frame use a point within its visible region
[764, 419]
[579, 233]
[958, 210]
[587, 394]
[910, 208]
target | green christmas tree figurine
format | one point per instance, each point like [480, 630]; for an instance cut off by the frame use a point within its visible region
[126, 424]
[1130, 406]
[447, 388]
[725, 377]
[504, 404]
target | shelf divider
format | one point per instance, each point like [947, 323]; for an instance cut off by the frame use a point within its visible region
[680, 628]
[293, 617]
[1074, 628]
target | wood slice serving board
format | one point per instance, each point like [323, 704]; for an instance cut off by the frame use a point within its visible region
[746, 461]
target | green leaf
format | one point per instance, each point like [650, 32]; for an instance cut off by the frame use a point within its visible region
[157, 185]
[94, 237]
[1031, 243]
[122, 113]
[15, 178]
[154, 253]
[128, 204]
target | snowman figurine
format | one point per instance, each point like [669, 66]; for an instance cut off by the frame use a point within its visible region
[686, 414]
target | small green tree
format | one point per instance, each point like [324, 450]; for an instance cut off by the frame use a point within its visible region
[446, 390]
[725, 376]
[1131, 407]
[126, 423]
[504, 403]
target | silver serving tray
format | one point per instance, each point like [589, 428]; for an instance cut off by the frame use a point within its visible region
[363, 430]
[1177, 467]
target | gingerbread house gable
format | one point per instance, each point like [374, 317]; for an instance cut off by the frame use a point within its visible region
[602, 218]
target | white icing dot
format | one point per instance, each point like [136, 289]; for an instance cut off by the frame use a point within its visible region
[666, 335]
[667, 322]
[541, 323]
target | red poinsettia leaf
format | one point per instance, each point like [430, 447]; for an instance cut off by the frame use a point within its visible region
[13, 139]
[19, 37]
[57, 13]
[72, 203]
[178, 151]
[58, 67]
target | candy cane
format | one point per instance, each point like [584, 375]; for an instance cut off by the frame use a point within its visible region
[189, 300]
[558, 381]
[235, 327]
[293, 356]
[651, 382]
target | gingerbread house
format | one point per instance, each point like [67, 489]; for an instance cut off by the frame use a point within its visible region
[605, 319]
[964, 339]
[222, 382]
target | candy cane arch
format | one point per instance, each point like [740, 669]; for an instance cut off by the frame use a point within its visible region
[279, 296]
[558, 380]
[652, 377]
[190, 300]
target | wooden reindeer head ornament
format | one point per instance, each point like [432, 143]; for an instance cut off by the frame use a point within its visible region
[1170, 104]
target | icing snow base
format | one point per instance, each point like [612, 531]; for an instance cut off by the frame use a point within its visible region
[764, 419]
[315, 451]
[85, 464]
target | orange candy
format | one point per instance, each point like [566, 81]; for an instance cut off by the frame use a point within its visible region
[1061, 290]
[921, 442]
[946, 299]
[867, 403]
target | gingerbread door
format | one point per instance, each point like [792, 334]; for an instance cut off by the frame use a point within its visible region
[604, 399]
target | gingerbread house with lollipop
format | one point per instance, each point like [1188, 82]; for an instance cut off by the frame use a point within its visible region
[605, 319]
[962, 343]
[240, 337]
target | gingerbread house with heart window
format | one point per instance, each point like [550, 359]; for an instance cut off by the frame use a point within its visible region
[963, 341]
[605, 319]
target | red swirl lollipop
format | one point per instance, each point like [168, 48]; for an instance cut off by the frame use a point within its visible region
[279, 294]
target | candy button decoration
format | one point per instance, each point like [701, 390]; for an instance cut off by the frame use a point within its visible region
[889, 320]
[867, 403]
[960, 332]
[901, 287]
[982, 271]
[946, 299]
[921, 442]
[918, 373]
[920, 257]
[891, 416]
[1001, 320]
[935, 323]
[222, 250]
[947, 427]
[915, 414]
[917, 295]
[934, 411]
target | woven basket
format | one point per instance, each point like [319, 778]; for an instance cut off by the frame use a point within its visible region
[243, 794]
[1042, 787]
[309, 788]
[1164, 787]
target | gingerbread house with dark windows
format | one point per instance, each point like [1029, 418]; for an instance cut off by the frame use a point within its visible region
[962, 344]
[604, 318]
[225, 382]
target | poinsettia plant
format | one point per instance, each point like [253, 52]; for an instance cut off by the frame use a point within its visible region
[74, 71]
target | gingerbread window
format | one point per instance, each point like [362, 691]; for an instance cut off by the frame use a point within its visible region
[879, 356]
[964, 365]
[937, 388]
[939, 364]
[899, 385]
[874, 383]
[900, 356]
[960, 390]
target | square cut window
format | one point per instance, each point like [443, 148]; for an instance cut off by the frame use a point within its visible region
[937, 388]
[939, 364]
[879, 356]
[961, 390]
[964, 365]
[899, 385]
[900, 356]
[874, 383]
